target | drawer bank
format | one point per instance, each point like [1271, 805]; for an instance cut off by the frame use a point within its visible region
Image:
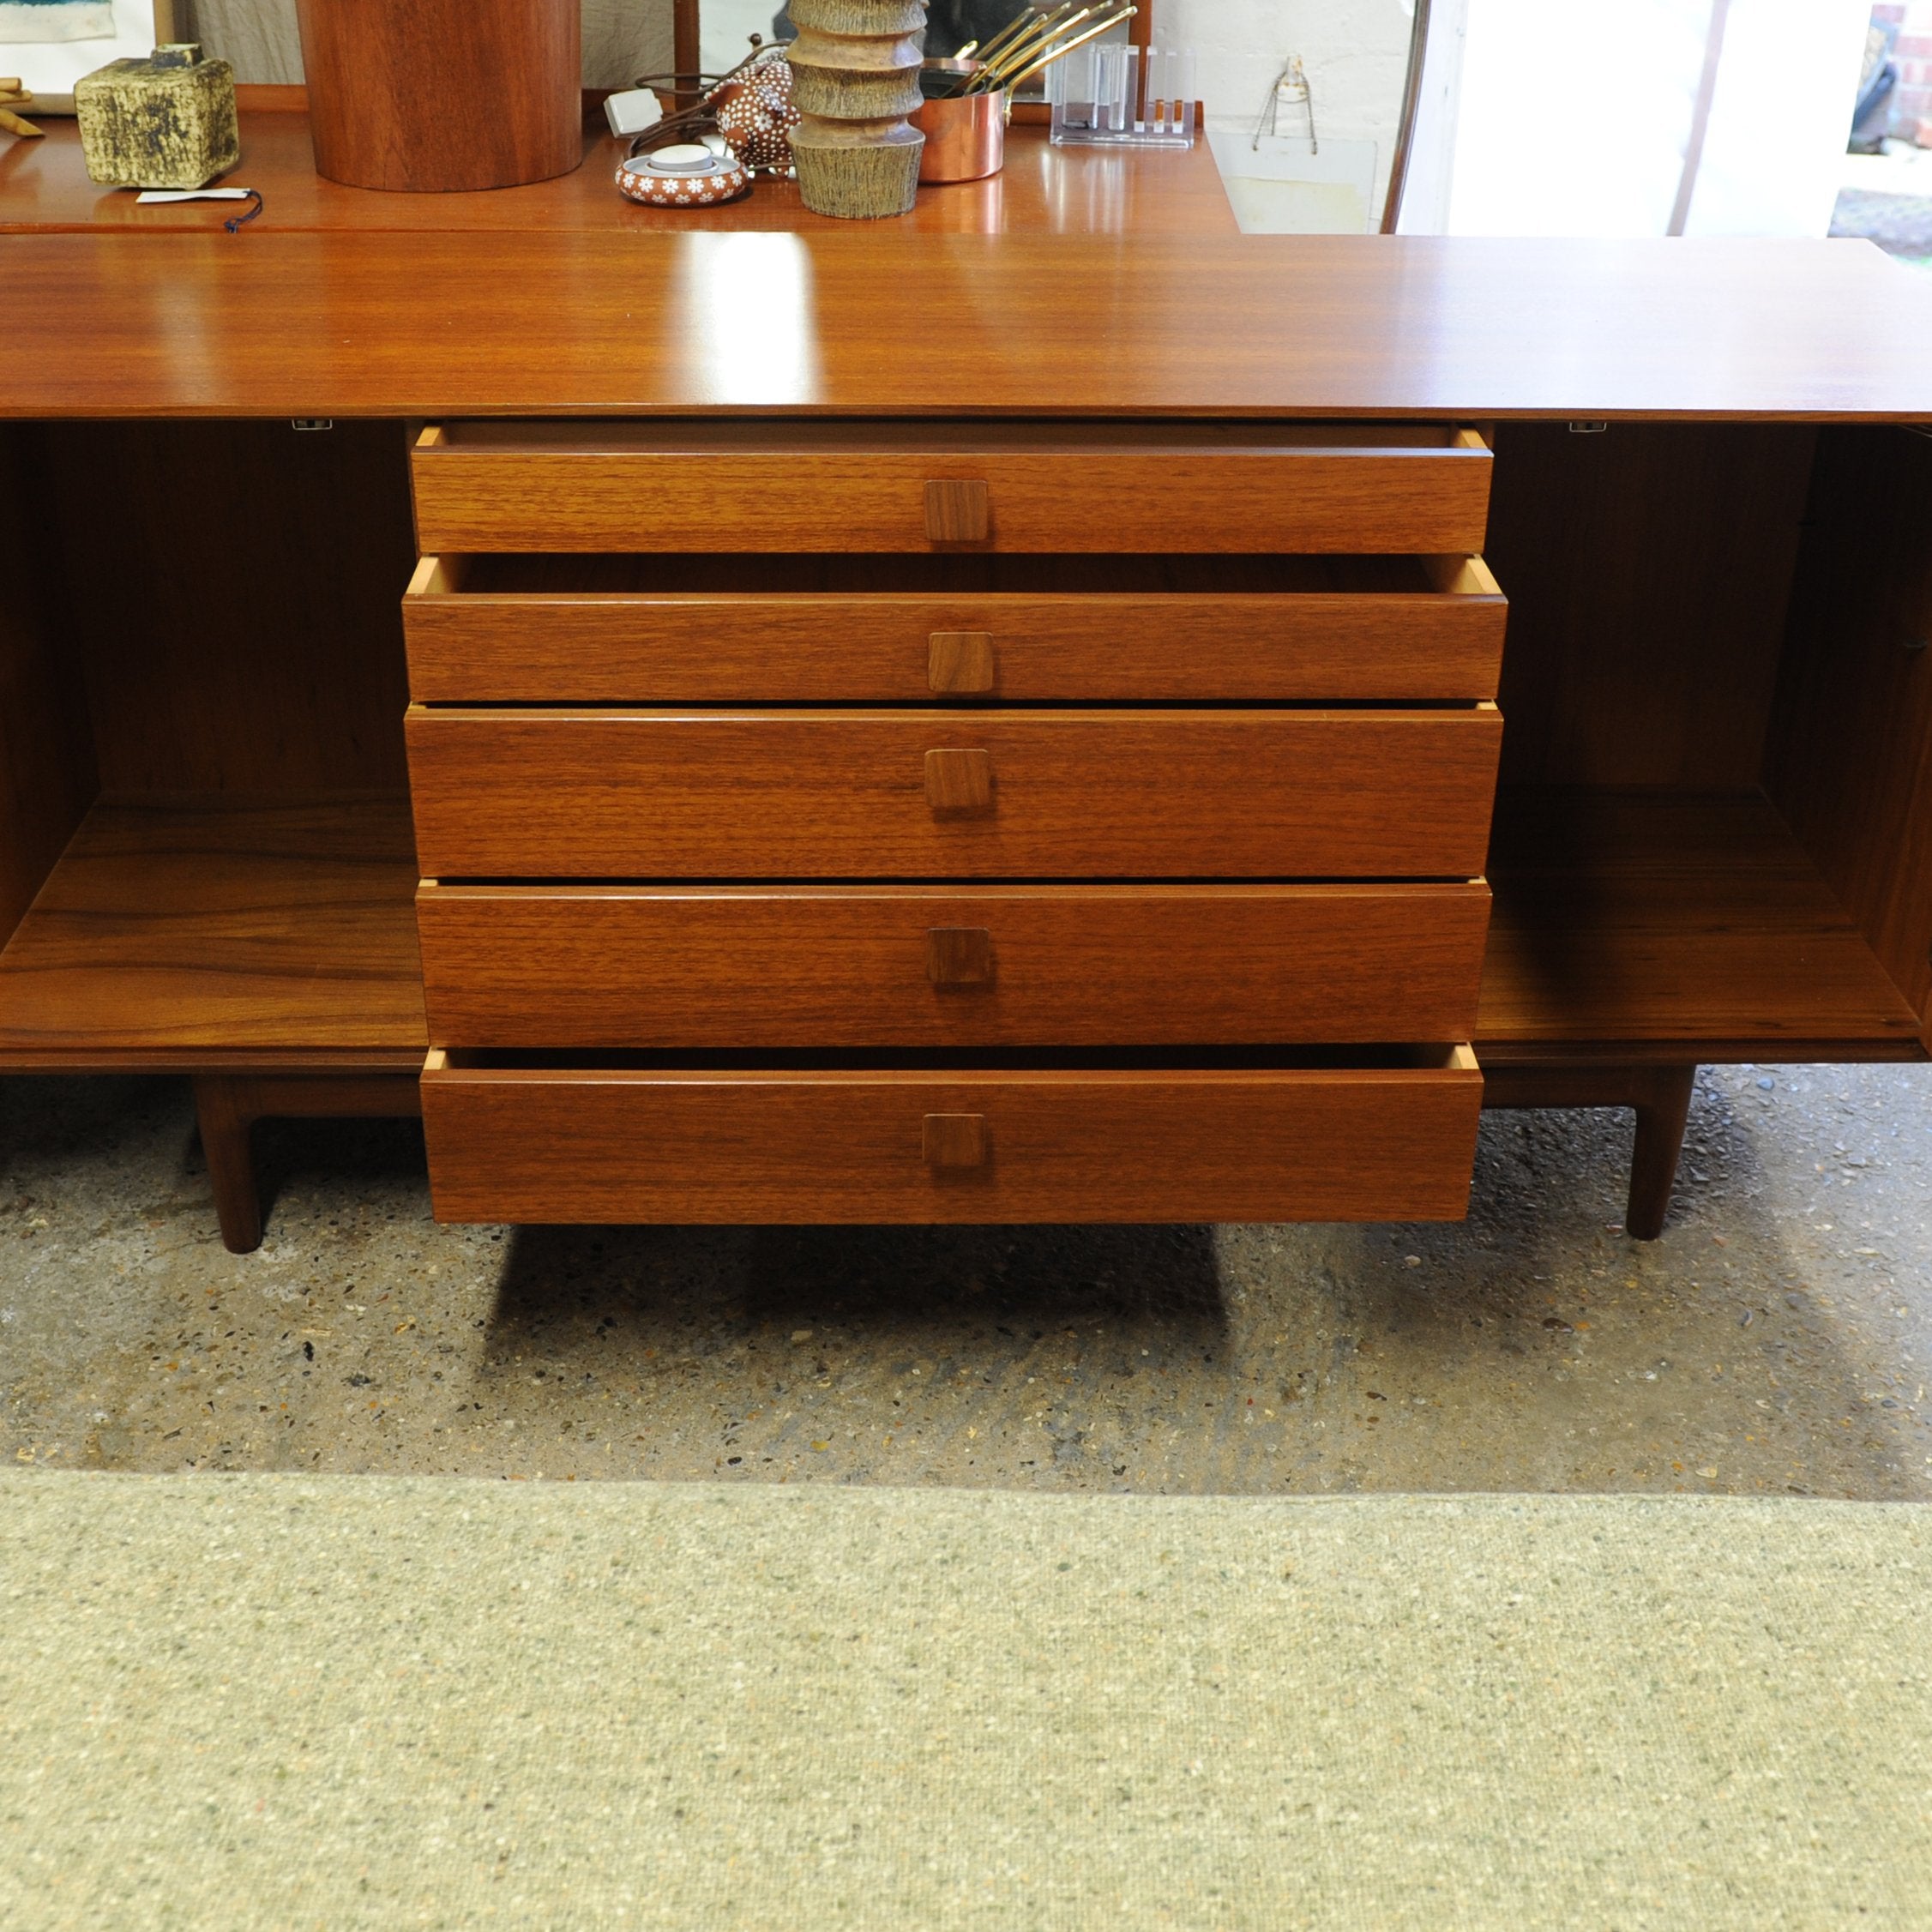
[1056, 888]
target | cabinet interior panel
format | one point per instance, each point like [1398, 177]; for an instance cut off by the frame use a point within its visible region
[1648, 569]
[47, 772]
[178, 927]
[237, 590]
[1674, 919]
[1850, 765]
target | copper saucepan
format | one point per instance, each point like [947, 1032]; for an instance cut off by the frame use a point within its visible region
[966, 133]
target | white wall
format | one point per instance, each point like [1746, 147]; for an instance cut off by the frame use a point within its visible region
[726, 27]
[622, 39]
[1781, 118]
[1357, 53]
[1574, 115]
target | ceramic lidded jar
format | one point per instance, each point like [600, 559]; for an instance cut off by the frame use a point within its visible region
[164, 121]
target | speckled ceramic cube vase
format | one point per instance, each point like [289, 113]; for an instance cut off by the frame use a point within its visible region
[164, 121]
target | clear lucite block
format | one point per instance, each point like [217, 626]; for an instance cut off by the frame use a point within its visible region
[1097, 100]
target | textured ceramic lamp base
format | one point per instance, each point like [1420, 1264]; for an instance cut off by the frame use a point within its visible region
[859, 180]
[856, 78]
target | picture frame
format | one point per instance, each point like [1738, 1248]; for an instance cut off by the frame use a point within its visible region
[48, 68]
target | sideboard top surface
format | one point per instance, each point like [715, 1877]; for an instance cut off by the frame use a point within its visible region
[877, 320]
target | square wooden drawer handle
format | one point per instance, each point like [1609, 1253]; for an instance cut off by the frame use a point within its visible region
[959, 660]
[959, 955]
[955, 1140]
[958, 511]
[959, 783]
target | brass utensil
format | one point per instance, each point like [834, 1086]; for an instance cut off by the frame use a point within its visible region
[1025, 26]
[1066, 47]
[1040, 35]
[1017, 24]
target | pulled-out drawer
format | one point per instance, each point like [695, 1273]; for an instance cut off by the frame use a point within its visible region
[503, 794]
[1388, 1139]
[622, 967]
[1041, 486]
[653, 630]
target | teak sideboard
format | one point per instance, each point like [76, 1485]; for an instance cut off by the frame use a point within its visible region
[894, 725]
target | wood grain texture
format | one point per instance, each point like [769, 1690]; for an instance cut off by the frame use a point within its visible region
[236, 606]
[959, 955]
[589, 966]
[1850, 764]
[955, 1140]
[684, 30]
[443, 95]
[960, 782]
[219, 924]
[1323, 1144]
[47, 772]
[44, 187]
[962, 663]
[571, 324]
[1040, 488]
[841, 795]
[1649, 568]
[694, 629]
[958, 511]
[1661, 916]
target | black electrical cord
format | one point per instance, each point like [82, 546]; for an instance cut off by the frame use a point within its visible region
[235, 222]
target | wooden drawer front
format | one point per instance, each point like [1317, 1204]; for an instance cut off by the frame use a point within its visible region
[1322, 1145]
[590, 967]
[693, 646]
[911, 795]
[721, 486]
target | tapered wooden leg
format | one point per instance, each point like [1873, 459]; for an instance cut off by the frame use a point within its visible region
[228, 1106]
[1661, 1119]
[1660, 1095]
[227, 1126]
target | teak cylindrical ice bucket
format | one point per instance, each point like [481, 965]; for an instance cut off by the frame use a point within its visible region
[434, 96]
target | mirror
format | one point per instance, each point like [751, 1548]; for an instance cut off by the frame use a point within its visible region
[714, 35]
[724, 30]
[1362, 84]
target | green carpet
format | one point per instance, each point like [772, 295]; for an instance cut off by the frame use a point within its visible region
[235, 1702]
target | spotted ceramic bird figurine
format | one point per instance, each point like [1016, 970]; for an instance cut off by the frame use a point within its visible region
[756, 113]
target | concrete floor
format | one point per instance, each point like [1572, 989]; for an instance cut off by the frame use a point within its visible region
[1773, 1340]
[1887, 199]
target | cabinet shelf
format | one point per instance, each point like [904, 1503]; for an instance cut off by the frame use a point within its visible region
[1693, 926]
[221, 931]
[211, 930]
